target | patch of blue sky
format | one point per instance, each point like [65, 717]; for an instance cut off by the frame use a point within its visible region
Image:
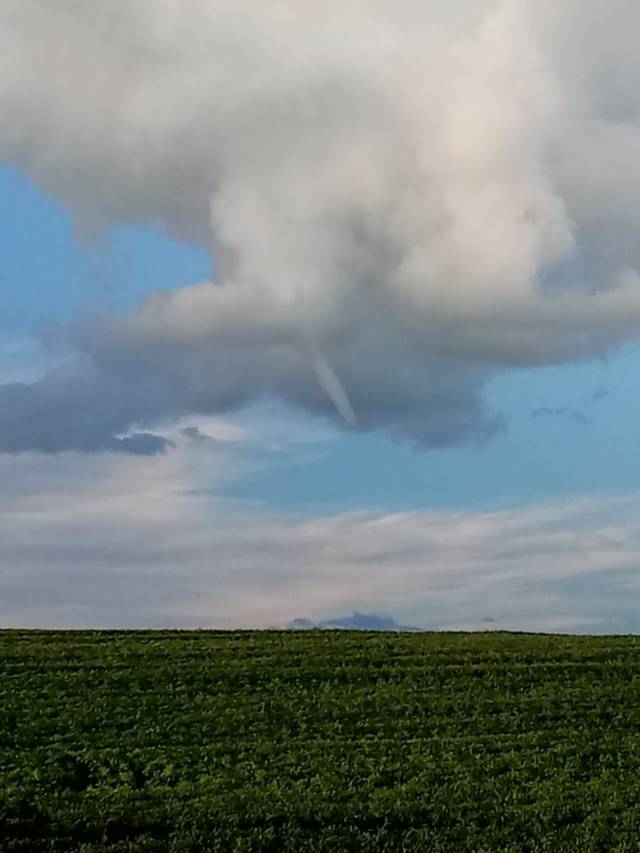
[41, 269]
[47, 276]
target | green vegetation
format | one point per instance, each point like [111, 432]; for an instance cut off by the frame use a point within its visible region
[318, 741]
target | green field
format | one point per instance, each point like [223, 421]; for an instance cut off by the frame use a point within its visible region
[318, 741]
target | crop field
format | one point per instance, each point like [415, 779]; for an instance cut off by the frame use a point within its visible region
[318, 741]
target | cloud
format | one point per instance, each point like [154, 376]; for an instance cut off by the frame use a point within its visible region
[95, 540]
[21, 358]
[140, 443]
[576, 415]
[75, 407]
[600, 393]
[400, 198]
[356, 622]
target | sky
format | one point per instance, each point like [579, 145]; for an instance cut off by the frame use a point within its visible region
[314, 310]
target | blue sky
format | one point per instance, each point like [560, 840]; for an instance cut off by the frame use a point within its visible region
[60, 276]
[294, 325]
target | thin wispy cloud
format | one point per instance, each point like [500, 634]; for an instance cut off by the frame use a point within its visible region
[89, 540]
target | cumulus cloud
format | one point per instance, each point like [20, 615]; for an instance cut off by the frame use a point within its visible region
[89, 540]
[401, 198]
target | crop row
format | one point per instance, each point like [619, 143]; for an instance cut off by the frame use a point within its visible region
[314, 741]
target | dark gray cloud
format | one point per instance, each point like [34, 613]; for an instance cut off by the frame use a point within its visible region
[195, 435]
[77, 407]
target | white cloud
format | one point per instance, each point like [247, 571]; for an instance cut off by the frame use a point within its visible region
[112, 541]
[409, 195]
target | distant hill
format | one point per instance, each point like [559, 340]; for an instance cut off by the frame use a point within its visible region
[356, 622]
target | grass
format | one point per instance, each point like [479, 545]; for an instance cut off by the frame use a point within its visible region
[318, 741]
